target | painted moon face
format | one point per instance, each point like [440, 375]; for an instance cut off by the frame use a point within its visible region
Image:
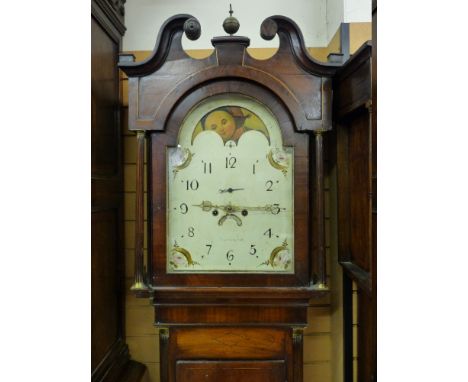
[222, 122]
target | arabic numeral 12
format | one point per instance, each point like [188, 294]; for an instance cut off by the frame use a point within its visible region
[231, 162]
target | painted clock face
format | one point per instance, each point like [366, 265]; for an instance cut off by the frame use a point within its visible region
[230, 204]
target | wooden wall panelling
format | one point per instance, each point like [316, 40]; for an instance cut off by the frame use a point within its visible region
[106, 205]
[356, 163]
[109, 353]
[354, 166]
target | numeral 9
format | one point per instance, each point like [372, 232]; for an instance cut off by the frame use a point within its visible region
[183, 208]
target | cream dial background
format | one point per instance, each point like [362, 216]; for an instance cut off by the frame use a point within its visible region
[261, 176]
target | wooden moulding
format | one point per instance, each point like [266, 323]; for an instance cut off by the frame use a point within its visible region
[298, 352]
[319, 210]
[234, 315]
[109, 15]
[139, 283]
[164, 334]
[230, 310]
[177, 293]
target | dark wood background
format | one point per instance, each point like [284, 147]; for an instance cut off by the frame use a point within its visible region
[356, 158]
[109, 353]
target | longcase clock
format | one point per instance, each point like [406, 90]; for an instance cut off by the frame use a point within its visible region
[235, 197]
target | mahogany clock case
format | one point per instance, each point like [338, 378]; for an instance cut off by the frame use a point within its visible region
[203, 317]
[294, 87]
[157, 180]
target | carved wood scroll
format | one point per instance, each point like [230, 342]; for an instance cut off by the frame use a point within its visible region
[305, 87]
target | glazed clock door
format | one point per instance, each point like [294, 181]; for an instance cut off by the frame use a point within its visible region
[230, 199]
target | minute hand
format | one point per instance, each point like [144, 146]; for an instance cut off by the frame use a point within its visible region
[230, 190]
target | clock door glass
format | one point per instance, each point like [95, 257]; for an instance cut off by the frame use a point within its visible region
[230, 204]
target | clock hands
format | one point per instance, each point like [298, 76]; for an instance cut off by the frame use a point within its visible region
[208, 206]
[230, 190]
[231, 209]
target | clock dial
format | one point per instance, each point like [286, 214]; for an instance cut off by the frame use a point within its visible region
[230, 191]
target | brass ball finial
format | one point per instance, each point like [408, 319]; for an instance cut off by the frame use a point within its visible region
[192, 29]
[231, 24]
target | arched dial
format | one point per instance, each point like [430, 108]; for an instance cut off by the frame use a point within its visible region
[230, 191]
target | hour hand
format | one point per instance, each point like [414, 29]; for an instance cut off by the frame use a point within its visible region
[206, 205]
[230, 190]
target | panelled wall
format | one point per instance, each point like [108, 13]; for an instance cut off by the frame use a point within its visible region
[322, 352]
